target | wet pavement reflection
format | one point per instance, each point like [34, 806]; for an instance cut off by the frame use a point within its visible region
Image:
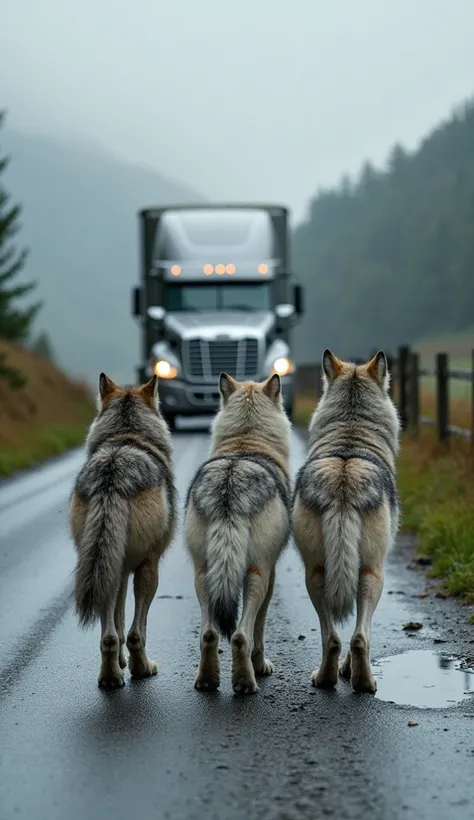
[424, 679]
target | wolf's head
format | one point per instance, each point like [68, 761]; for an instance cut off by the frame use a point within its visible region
[357, 396]
[252, 409]
[129, 410]
[375, 372]
[109, 392]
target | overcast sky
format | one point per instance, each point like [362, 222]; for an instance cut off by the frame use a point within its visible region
[255, 99]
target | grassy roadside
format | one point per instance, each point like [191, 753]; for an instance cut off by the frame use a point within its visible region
[38, 445]
[436, 486]
[44, 416]
[437, 492]
[303, 410]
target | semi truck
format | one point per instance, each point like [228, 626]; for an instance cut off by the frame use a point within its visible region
[216, 294]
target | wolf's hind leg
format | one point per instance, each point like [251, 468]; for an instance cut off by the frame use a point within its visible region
[309, 542]
[370, 589]
[326, 676]
[119, 618]
[374, 548]
[261, 664]
[255, 593]
[110, 675]
[145, 584]
[208, 676]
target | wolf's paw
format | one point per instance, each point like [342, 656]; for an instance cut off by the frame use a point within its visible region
[263, 667]
[364, 684]
[244, 683]
[323, 679]
[111, 678]
[142, 667]
[207, 682]
[247, 687]
[122, 660]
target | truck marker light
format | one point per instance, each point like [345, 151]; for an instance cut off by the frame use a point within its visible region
[175, 270]
[230, 269]
[262, 268]
[208, 269]
[282, 366]
[220, 269]
[164, 370]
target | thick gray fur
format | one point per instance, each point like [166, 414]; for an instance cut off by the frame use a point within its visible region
[244, 484]
[129, 450]
[350, 470]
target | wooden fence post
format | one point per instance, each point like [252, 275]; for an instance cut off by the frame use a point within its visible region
[403, 355]
[414, 414]
[442, 396]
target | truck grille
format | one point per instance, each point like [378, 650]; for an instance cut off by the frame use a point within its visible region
[206, 359]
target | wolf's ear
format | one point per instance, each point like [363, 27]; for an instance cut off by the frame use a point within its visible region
[332, 366]
[106, 386]
[227, 386]
[377, 369]
[149, 390]
[272, 387]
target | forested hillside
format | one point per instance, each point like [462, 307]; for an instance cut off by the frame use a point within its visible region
[42, 410]
[79, 222]
[388, 258]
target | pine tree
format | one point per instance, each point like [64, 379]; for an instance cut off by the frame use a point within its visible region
[15, 319]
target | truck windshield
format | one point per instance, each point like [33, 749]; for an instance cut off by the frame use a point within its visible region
[218, 297]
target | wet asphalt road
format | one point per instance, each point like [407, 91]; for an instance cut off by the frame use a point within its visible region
[157, 748]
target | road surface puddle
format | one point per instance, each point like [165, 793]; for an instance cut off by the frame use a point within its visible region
[424, 679]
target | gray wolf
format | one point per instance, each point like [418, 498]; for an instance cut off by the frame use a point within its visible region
[122, 518]
[346, 510]
[237, 523]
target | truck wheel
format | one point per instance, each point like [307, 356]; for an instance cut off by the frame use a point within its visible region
[170, 419]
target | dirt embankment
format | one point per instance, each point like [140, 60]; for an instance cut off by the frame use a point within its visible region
[45, 416]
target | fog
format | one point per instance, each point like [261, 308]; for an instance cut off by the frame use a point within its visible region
[255, 100]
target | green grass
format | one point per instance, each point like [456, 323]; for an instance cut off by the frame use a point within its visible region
[437, 493]
[39, 445]
[303, 410]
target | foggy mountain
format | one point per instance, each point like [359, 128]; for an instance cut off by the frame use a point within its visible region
[79, 220]
[387, 257]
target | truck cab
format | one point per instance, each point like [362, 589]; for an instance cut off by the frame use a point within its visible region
[215, 296]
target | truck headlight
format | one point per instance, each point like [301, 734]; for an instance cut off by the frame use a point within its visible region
[282, 366]
[165, 370]
[278, 359]
[163, 362]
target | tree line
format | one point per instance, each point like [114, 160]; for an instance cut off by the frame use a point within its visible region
[16, 316]
[387, 258]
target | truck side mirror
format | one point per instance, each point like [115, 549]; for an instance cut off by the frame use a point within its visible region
[156, 312]
[136, 302]
[284, 311]
[157, 315]
[298, 300]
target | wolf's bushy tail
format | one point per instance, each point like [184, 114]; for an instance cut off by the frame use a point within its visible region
[226, 564]
[341, 537]
[100, 556]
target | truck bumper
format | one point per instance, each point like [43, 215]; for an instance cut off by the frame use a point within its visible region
[179, 398]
